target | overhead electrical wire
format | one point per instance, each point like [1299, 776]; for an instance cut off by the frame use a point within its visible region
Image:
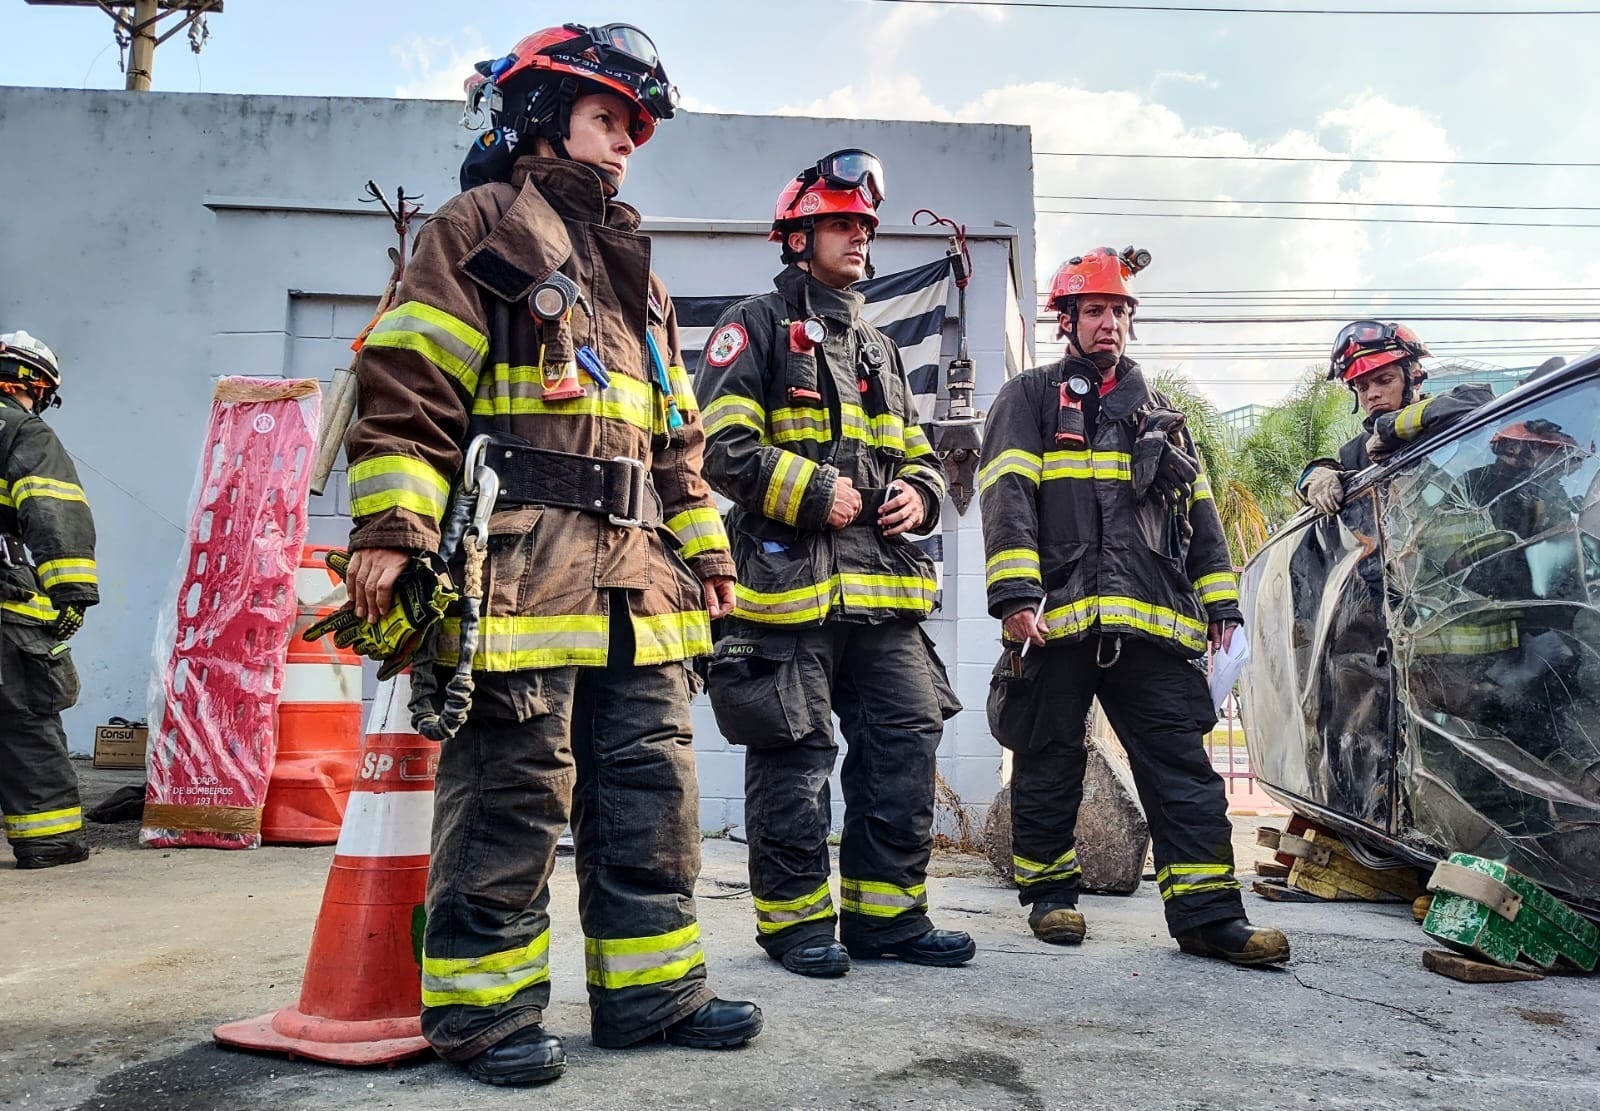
[1218, 9]
[1358, 204]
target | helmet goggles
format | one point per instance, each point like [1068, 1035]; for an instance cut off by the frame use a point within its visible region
[846, 170]
[1361, 339]
[623, 53]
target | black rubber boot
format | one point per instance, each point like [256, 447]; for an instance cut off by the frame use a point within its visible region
[938, 948]
[1236, 941]
[50, 856]
[529, 1056]
[829, 959]
[719, 1024]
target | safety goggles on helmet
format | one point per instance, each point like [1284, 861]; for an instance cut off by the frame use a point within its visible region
[1363, 346]
[624, 54]
[847, 170]
[616, 41]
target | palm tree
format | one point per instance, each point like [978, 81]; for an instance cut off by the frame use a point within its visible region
[1311, 423]
[1243, 521]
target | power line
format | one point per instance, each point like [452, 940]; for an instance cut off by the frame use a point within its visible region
[1345, 319]
[1389, 289]
[1335, 158]
[1221, 10]
[1314, 219]
[1361, 204]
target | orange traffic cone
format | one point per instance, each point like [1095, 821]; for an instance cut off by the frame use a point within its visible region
[361, 999]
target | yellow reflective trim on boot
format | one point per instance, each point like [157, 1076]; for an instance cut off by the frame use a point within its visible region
[46, 823]
[881, 900]
[773, 915]
[630, 962]
[485, 981]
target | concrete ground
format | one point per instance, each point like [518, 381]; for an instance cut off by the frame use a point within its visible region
[115, 971]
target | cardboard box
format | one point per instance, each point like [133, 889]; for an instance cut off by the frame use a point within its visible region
[120, 746]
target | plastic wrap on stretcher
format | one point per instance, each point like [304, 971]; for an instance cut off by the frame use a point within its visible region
[1427, 663]
[223, 632]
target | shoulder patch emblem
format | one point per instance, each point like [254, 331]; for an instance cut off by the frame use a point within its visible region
[726, 345]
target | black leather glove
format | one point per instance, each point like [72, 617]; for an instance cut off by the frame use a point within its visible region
[1161, 465]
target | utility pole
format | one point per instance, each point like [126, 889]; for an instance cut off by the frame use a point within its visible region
[136, 33]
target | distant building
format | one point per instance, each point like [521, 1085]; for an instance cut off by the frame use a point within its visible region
[1457, 372]
[1243, 420]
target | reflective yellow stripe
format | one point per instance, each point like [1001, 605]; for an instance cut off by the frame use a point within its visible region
[1202, 490]
[803, 606]
[1110, 466]
[888, 430]
[786, 488]
[522, 643]
[1013, 462]
[671, 636]
[46, 823]
[699, 531]
[773, 915]
[1408, 422]
[397, 482]
[1465, 638]
[1217, 588]
[450, 344]
[682, 384]
[792, 425]
[894, 592]
[1124, 613]
[1169, 881]
[37, 486]
[39, 608]
[519, 391]
[1029, 872]
[917, 445]
[5, 495]
[931, 477]
[732, 411]
[636, 961]
[485, 981]
[60, 572]
[880, 900]
[1013, 563]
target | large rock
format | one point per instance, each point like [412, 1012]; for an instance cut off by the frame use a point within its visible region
[1113, 838]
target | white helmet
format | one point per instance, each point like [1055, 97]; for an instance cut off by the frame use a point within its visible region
[27, 360]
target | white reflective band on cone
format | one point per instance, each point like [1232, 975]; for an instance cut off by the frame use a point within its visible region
[391, 708]
[394, 823]
[329, 682]
[318, 588]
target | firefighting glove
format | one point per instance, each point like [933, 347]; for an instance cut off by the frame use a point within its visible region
[68, 624]
[1323, 490]
[1161, 465]
[422, 594]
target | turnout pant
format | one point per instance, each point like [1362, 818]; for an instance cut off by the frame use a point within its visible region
[38, 788]
[610, 749]
[887, 686]
[1161, 709]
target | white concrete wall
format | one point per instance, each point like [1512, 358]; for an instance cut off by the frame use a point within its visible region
[159, 240]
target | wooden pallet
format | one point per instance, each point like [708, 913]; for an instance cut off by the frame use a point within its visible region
[1321, 865]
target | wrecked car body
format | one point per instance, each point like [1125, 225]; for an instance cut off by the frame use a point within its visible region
[1425, 671]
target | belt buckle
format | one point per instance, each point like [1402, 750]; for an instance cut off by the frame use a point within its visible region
[636, 492]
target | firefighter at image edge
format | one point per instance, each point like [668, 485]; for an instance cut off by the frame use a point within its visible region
[600, 581]
[42, 603]
[811, 432]
[1107, 566]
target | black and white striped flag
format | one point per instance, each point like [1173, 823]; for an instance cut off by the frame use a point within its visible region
[908, 307]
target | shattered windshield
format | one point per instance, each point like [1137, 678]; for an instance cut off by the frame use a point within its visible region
[1427, 663]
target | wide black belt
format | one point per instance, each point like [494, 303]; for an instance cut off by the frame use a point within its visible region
[618, 488]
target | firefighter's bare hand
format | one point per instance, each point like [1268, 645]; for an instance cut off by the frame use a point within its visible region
[1025, 627]
[846, 503]
[719, 596]
[901, 513]
[1220, 634]
[370, 580]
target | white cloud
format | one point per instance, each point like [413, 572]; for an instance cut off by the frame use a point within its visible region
[1179, 77]
[436, 67]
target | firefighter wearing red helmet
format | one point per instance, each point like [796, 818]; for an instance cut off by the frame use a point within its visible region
[529, 315]
[47, 581]
[811, 432]
[1107, 567]
[1381, 363]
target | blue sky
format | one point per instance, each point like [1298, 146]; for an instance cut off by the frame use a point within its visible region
[1377, 87]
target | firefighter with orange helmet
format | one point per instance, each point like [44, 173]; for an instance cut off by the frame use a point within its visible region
[529, 320]
[47, 581]
[1381, 363]
[812, 433]
[1108, 569]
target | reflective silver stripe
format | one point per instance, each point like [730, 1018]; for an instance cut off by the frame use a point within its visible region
[488, 980]
[1029, 872]
[636, 961]
[881, 900]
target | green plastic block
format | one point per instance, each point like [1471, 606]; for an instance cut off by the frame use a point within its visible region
[1545, 932]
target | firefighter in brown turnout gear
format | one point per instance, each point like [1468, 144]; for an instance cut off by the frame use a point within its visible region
[810, 431]
[529, 312]
[47, 581]
[1107, 566]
